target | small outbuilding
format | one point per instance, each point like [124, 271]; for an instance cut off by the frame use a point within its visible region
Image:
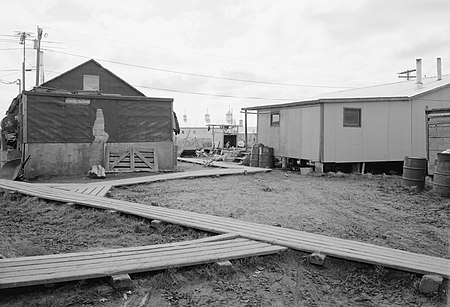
[381, 123]
[438, 135]
[88, 116]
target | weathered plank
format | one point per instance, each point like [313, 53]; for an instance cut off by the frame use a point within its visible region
[102, 190]
[57, 268]
[48, 265]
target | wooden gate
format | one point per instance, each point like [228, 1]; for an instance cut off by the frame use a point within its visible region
[132, 160]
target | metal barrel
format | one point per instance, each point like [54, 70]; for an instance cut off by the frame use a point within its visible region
[175, 155]
[266, 157]
[254, 156]
[441, 180]
[414, 171]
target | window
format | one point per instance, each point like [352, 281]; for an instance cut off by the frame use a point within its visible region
[352, 117]
[275, 119]
[91, 83]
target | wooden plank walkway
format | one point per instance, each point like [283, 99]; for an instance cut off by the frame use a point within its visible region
[299, 240]
[90, 189]
[27, 271]
[103, 187]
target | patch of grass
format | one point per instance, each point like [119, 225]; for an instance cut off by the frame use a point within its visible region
[29, 226]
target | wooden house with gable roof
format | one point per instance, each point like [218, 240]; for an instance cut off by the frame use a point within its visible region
[89, 116]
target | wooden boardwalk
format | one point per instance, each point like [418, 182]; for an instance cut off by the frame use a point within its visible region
[90, 189]
[27, 271]
[299, 240]
[101, 188]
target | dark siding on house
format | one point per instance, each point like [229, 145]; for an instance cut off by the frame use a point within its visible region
[127, 120]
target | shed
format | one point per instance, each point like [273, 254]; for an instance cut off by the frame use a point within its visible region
[382, 123]
[89, 116]
[438, 134]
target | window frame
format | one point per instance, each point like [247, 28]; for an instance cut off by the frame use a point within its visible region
[352, 125]
[91, 83]
[272, 122]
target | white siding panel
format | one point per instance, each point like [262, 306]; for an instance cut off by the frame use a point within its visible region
[290, 132]
[374, 131]
[310, 133]
[341, 144]
[349, 140]
[329, 146]
[399, 130]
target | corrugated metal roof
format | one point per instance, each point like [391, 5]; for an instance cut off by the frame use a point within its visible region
[389, 91]
[398, 89]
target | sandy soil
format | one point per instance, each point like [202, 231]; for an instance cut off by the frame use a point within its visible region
[374, 209]
[367, 208]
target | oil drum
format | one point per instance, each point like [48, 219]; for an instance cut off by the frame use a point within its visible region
[441, 178]
[414, 171]
[266, 157]
[254, 155]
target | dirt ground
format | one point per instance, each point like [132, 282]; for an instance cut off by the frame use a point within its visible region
[367, 208]
[373, 209]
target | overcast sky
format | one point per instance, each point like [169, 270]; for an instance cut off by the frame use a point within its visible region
[199, 51]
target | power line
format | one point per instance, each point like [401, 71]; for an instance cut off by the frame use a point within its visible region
[15, 48]
[8, 82]
[4, 40]
[202, 75]
[290, 64]
[215, 95]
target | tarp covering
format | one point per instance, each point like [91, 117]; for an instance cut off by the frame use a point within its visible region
[71, 119]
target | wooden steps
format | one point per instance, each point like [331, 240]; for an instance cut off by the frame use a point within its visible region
[27, 271]
[299, 240]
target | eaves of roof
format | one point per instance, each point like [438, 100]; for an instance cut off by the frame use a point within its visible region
[325, 100]
[106, 97]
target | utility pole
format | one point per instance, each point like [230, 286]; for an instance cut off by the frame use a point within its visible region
[37, 45]
[407, 73]
[23, 38]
